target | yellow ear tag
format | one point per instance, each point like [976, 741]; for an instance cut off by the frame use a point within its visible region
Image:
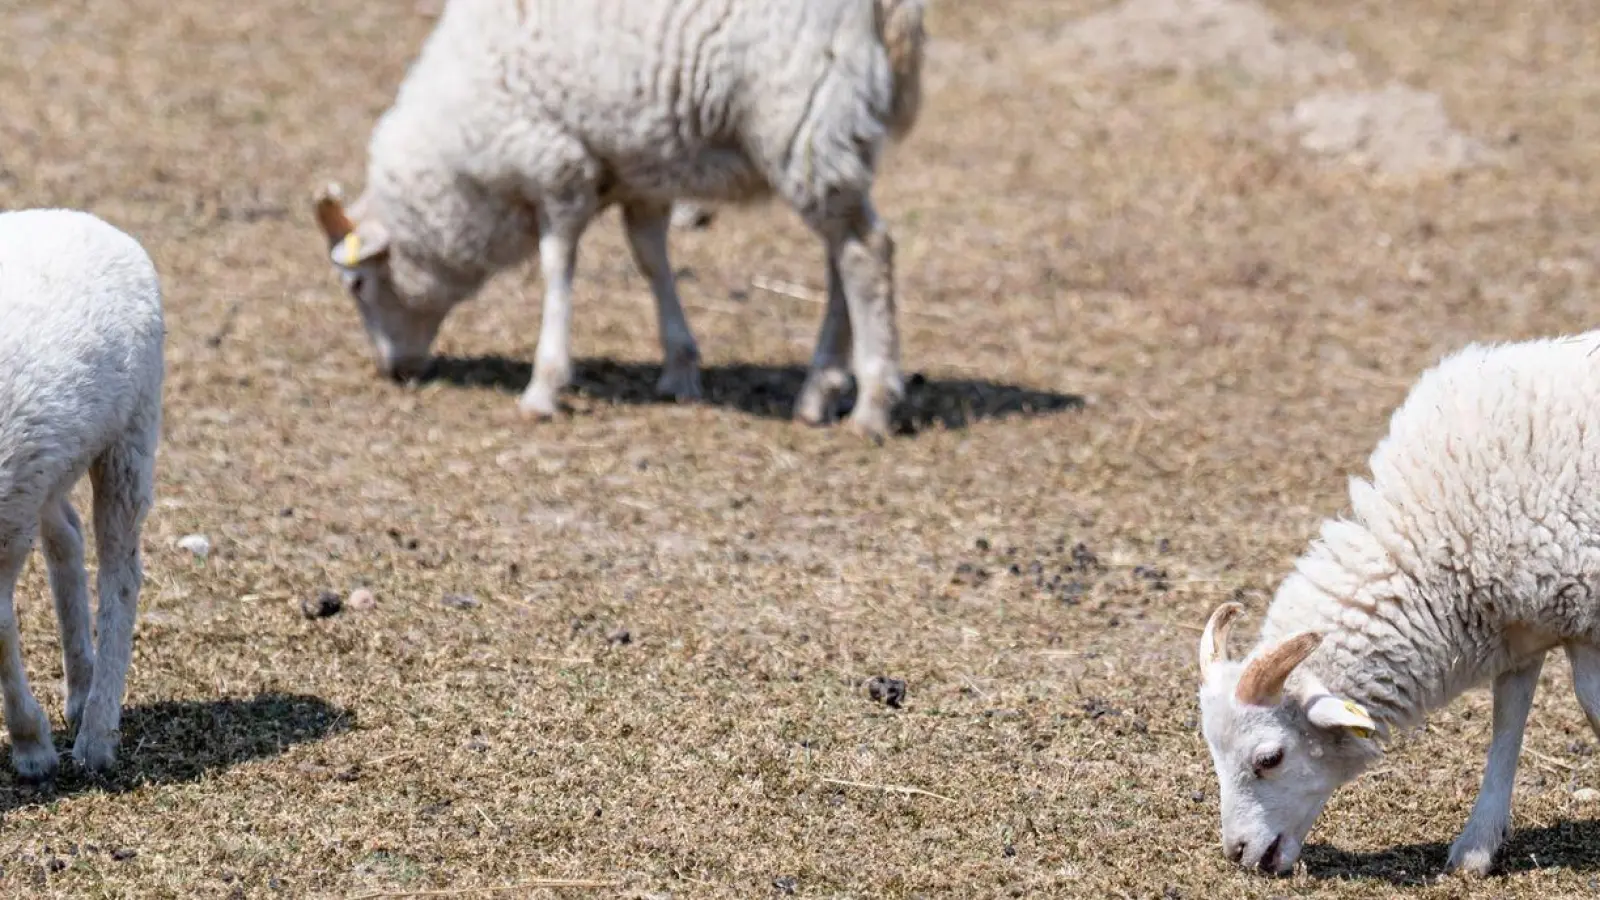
[1357, 730]
[352, 249]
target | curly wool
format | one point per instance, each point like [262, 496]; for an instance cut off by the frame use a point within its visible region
[512, 101]
[1474, 547]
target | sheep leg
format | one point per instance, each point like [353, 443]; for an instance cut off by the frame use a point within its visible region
[1585, 660]
[865, 258]
[1490, 822]
[830, 363]
[558, 260]
[123, 478]
[647, 226]
[33, 750]
[62, 535]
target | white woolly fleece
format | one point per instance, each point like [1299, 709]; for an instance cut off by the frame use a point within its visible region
[1475, 545]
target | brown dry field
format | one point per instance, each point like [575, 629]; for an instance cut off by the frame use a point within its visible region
[1145, 325]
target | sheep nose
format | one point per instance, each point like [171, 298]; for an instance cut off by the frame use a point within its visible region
[1269, 859]
[1235, 851]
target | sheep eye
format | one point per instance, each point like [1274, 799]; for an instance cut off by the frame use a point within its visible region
[1268, 761]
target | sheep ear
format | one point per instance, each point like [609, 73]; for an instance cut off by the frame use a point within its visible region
[368, 242]
[1332, 713]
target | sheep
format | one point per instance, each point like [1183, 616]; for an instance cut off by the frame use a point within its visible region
[1471, 552]
[521, 120]
[81, 354]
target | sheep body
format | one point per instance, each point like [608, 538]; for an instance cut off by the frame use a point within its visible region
[522, 119]
[1471, 551]
[81, 371]
[1474, 546]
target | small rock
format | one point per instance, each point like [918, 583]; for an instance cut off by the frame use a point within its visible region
[786, 884]
[620, 636]
[460, 601]
[325, 604]
[198, 544]
[1586, 795]
[1197, 796]
[124, 854]
[361, 599]
[891, 692]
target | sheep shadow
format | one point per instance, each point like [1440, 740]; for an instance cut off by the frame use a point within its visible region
[174, 742]
[1574, 846]
[764, 391]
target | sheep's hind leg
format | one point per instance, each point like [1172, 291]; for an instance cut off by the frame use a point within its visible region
[647, 225]
[62, 535]
[33, 750]
[1490, 822]
[124, 484]
[864, 254]
[830, 363]
[559, 233]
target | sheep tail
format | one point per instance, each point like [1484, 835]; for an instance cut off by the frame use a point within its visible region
[901, 32]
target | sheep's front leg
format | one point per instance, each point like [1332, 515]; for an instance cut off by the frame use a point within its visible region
[1585, 662]
[647, 226]
[830, 363]
[62, 535]
[33, 750]
[1486, 829]
[865, 257]
[552, 364]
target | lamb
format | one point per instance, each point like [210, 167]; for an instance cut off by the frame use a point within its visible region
[521, 120]
[1472, 551]
[81, 370]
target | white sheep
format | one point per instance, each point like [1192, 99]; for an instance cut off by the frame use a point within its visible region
[81, 370]
[521, 120]
[1473, 551]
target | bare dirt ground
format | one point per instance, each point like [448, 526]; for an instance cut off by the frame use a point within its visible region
[1161, 298]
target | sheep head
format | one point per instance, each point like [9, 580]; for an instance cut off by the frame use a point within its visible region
[1281, 744]
[400, 324]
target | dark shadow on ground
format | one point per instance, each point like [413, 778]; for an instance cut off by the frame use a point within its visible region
[180, 741]
[1574, 846]
[765, 391]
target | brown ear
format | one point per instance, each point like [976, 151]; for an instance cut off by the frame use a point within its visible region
[1214, 641]
[1263, 679]
[331, 216]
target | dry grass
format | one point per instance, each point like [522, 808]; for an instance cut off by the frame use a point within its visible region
[1236, 316]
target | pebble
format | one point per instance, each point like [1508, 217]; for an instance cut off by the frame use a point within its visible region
[1586, 795]
[198, 544]
[361, 599]
[460, 601]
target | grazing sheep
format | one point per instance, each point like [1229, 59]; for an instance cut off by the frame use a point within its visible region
[521, 120]
[1472, 551]
[80, 391]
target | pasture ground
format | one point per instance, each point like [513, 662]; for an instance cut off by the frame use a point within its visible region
[1154, 331]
